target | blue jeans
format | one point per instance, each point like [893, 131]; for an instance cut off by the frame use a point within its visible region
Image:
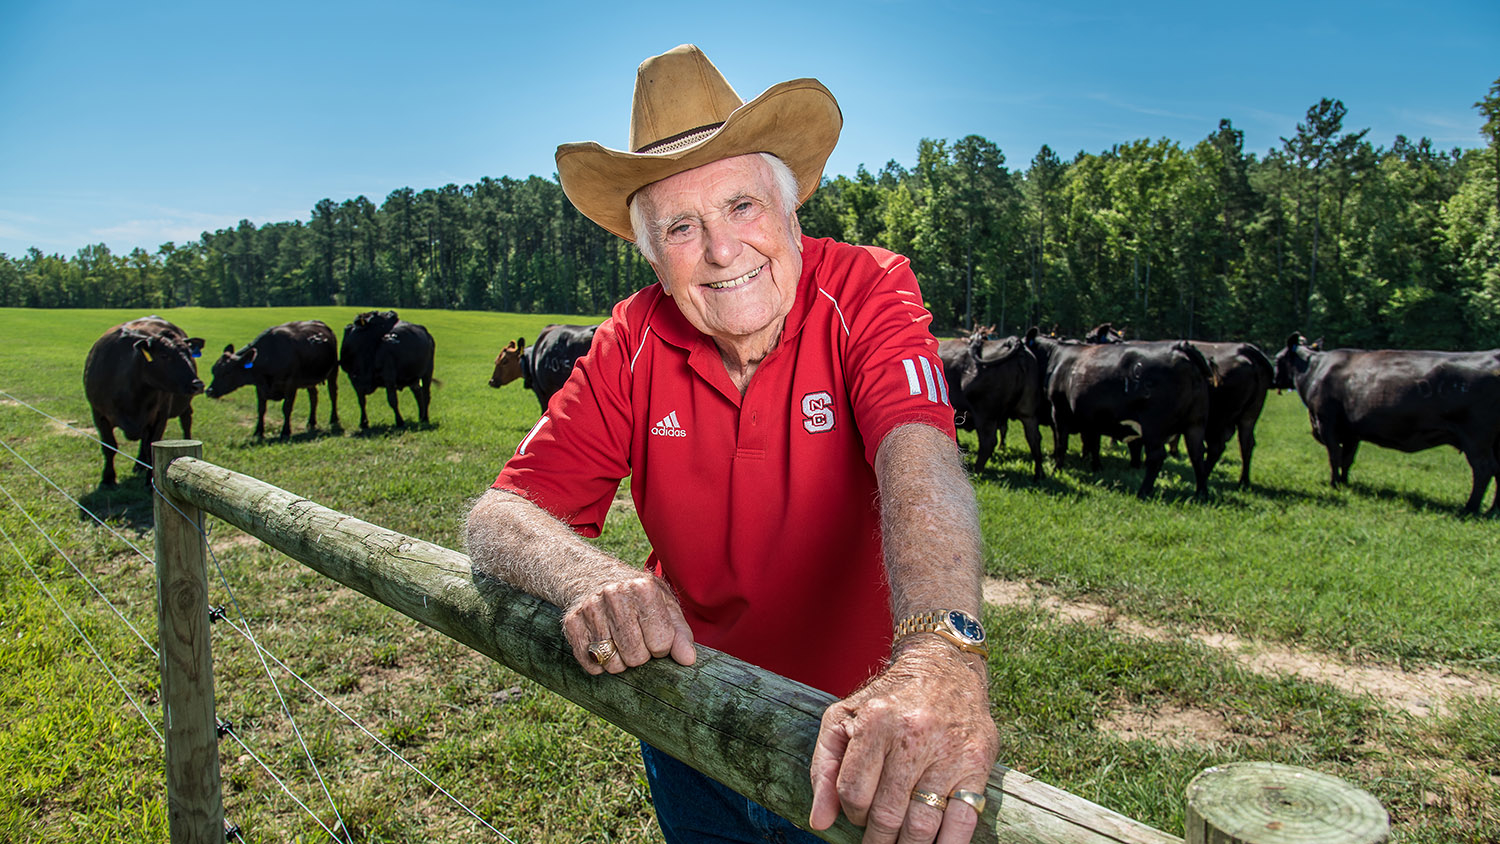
[695, 809]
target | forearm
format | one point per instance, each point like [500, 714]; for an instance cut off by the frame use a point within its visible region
[513, 540]
[929, 523]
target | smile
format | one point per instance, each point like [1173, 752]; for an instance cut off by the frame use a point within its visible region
[736, 282]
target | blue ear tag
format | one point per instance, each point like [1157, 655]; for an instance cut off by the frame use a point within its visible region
[197, 354]
[249, 363]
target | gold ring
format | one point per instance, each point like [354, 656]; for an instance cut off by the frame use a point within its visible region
[936, 801]
[973, 798]
[602, 651]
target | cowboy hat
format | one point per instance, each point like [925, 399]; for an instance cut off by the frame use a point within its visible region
[686, 115]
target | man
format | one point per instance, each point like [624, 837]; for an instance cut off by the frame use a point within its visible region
[778, 404]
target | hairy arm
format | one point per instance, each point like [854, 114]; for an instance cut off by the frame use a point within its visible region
[512, 539]
[924, 722]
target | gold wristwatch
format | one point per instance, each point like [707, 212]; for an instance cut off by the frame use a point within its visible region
[958, 627]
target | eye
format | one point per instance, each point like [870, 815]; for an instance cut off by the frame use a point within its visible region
[680, 232]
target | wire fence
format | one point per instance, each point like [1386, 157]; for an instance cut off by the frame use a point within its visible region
[94, 612]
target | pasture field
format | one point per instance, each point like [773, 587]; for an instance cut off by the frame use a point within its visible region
[1122, 707]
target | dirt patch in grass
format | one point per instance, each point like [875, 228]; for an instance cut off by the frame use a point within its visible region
[1420, 692]
[1173, 726]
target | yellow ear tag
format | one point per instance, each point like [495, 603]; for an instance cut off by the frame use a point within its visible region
[147, 353]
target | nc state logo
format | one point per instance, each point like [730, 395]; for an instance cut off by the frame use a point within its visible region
[817, 412]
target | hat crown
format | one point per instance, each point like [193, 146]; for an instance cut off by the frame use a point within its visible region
[677, 93]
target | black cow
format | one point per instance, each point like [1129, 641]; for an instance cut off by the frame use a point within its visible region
[1235, 400]
[1104, 332]
[995, 381]
[137, 376]
[1406, 400]
[545, 366]
[279, 362]
[383, 350]
[1131, 391]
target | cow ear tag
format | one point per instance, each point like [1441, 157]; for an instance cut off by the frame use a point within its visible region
[249, 363]
[147, 353]
[197, 354]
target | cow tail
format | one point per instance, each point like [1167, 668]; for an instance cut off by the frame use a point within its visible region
[1208, 370]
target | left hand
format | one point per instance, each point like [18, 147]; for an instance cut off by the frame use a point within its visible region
[923, 723]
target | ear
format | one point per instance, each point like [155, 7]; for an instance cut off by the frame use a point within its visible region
[144, 346]
[196, 345]
[249, 356]
[520, 344]
[1317, 345]
[1292, 341]
[229, 349]
[1031, 337]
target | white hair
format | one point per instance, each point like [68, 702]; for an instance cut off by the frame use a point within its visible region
[782, 175]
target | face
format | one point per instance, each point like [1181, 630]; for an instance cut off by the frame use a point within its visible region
[727, 253]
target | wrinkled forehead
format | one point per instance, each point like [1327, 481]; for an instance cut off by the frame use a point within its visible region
[710, 186]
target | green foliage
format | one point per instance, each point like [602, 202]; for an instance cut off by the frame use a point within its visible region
[1326, 234]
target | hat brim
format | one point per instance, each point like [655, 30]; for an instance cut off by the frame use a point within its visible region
[797, 121]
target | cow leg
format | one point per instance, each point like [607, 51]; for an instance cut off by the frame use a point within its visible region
[1156, 455]
[424, 396]
[1059, 444]
[1485, 468]
[986, 443]
[1197, 456]
[1349, 448]
[1247, 447]
[155, 431]
[260, 413]
[364, 421]
[312, 413]
[393, 398]
[1134, 447]
[1034, 441]
[333, 401]
[1088, 443]
[286, 414]
[107, 444]
[185, 422]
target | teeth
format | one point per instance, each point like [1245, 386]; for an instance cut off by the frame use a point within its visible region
[736, 282]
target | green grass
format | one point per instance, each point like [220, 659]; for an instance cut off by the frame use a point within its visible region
[1384, 571]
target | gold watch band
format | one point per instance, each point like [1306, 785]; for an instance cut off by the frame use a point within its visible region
[935, 621]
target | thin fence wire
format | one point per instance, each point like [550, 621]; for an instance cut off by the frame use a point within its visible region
[229, 731]
[82, 635]
[261, 651]
[383, 746]
[105, 598]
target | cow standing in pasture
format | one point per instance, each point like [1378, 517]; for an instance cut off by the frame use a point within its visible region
[1406, 400]
[137, 376]
[1148, 392]
[996, 381]
[1235, 399]
[544, 366]
[279, 362]
[382, 350]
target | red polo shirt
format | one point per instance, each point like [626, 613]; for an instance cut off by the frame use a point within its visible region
[761, 509]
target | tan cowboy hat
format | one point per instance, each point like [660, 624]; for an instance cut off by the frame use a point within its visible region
[685, 115]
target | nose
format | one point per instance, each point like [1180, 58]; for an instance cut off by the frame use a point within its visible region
[721, 243]
[196, 386]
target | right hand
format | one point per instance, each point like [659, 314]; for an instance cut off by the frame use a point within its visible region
[640, 614]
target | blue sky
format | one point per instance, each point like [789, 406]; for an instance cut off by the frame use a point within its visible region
[134, 124]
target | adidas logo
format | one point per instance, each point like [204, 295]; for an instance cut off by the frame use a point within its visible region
[668, 427]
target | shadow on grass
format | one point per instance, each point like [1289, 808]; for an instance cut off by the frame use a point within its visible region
[128, 503]
[391, 429]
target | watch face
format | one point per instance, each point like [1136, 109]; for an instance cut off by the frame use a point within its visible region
[966, 626]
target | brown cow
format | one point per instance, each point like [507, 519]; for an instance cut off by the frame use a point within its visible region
[544, 366]
[280, 361]
[137, 376]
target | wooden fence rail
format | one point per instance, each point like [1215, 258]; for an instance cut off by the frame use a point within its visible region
[749, 728]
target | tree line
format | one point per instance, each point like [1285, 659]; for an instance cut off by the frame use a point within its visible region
[1327, 233]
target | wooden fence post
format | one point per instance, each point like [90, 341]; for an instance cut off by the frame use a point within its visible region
[1271, 803]
[195, 809]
